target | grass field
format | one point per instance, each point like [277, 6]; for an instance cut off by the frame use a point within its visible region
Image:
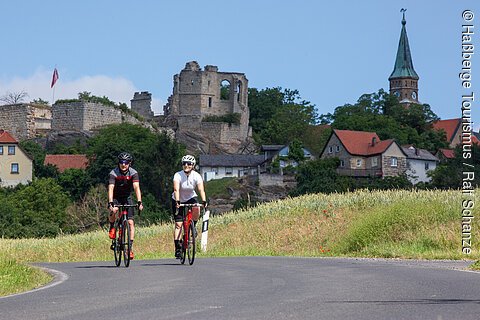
[391, 224]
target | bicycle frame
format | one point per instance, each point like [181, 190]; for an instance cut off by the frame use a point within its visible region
[188, 240]
[121, 243]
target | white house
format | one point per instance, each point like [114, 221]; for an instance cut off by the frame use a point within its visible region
[419, 162]
[233, 165]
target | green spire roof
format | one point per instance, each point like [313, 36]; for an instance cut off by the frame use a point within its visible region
[403, 64]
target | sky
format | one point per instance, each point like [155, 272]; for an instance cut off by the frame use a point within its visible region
[332, 52]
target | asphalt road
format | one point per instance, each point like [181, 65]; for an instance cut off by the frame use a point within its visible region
[254, 288]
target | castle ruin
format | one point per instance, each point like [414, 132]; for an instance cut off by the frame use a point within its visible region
[199, 94]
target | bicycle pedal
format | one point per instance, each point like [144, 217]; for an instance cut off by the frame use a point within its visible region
[112, 246]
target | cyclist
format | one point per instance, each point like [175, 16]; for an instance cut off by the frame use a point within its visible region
[121, 181]
[184, 184]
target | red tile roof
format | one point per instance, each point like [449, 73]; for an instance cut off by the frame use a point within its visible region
[5, 137]
[447, 153]
[360, 142]
[450, 126]
[67, 161]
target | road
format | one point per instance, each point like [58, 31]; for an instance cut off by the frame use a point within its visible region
[254, 288]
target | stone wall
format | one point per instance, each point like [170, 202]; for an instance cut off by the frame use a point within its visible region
[79, 116]
[24, 120]
[142, 104]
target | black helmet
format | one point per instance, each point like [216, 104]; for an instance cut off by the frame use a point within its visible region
[125, 156]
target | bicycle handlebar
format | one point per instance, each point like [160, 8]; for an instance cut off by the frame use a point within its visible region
[191, 205]
[125, 205]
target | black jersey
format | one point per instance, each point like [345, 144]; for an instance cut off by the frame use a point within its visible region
[123, 182]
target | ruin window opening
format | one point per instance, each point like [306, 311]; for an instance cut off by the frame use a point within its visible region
[209, 102]
[225, 90]
[239, 90]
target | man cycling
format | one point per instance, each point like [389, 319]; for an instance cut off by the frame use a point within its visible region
[121, 181]
[184, 184]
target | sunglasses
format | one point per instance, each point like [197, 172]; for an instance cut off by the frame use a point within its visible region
[124, 162]
[187, 163]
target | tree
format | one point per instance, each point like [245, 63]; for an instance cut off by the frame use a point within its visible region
[36, 210]
[14, 97]
[295, 151]
[382, 113]
[40, 101]
[156, 157]
[37, 153]
[450, 174]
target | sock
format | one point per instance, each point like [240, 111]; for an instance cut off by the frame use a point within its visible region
[111, 224]
[131, 244]
[177, 244]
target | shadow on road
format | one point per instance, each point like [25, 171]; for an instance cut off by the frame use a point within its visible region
[418, 301]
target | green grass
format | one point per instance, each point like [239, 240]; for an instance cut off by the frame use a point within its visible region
[391, 224]
[219, 187]
[15, 277]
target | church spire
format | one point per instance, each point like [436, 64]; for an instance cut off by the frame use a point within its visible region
[403, 80]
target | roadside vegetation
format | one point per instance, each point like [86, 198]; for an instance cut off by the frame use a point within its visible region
[422, 224]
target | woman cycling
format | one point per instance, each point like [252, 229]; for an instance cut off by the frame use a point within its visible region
[184, 184]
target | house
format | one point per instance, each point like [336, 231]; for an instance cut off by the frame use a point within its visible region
[67, 161]
[363, 154]
[280, 152]
[16, 166]
[233, 165]
[419, 162]
[452, 129]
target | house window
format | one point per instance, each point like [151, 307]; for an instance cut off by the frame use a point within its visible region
[1, 150]
[330, 149]
[11, 150]
[342, 163]
[359, 162]
[374, 162]
[14, 168]
[394, 162]
[427, 166]
[228, 170]
[337, 148]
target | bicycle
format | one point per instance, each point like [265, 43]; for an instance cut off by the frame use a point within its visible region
[121, 244]
[188, 235]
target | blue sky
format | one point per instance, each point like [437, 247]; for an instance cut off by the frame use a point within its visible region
[332, 52]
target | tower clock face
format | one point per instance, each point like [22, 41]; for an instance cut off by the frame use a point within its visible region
[397, 94]
[414, 95]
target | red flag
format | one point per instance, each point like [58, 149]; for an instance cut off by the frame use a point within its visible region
[54, 77]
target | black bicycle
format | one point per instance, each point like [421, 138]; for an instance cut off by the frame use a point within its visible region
[121, 245]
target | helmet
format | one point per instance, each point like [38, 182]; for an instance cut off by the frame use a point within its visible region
[125, 156]
[189, 158]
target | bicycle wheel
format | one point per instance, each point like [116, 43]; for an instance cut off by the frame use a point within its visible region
[117, 249]
[182, 246]
[126, 243]
[191, 244]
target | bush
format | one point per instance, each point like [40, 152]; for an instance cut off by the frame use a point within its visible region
[35, 210]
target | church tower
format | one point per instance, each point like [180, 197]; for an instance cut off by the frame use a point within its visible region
[404, 79]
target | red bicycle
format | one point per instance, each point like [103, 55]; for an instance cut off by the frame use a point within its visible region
[121, 244]
[187, 239]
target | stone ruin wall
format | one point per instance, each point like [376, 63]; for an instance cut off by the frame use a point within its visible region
[196, 94]
[24, 121]
[77, 116]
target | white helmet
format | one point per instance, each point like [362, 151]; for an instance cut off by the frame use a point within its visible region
[189, 158]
